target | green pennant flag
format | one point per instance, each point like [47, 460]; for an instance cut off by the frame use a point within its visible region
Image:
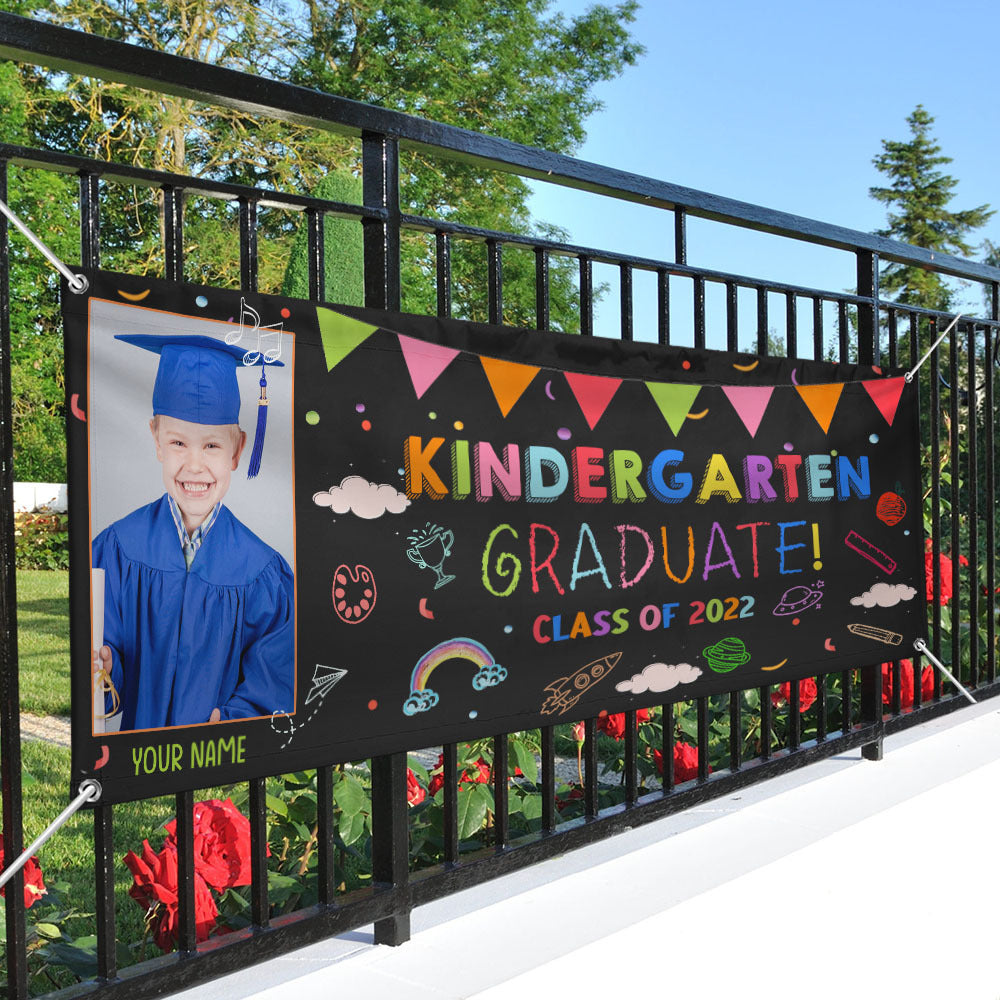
[674, 401]
[340, 335]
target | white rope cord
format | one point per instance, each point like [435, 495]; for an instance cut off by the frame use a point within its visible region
[90, 791]
[921, 647]
[78, 284]
[913, 371]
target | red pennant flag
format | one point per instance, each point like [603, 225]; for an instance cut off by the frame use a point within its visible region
[885, 394]
[593, 393]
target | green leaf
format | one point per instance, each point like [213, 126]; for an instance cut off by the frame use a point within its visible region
[351, 826]
[532, 806]
[473, 803]
[350, 796]
[525, 760]
[79, 956]
[281, 887]
[50, 931]
[276, 805]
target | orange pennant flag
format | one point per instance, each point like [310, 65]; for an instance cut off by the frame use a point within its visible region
[822, 401]
[508, 380]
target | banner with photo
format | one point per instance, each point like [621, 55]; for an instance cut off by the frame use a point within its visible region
[304, 534]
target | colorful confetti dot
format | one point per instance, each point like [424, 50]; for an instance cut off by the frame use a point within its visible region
[366, 425]
[201, 301]
[359, 408]
[312, 417]
[833, 453]
[372, 705]
[459, 425]
[789, 446]
[686, 365]
[401, 472]
[873, 438]
[508, 629]
[563, 434]
[473, 714]
[796, 621]
[432, 415]
[285, 313]
[906, 531]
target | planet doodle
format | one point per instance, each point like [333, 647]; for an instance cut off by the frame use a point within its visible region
[726, 655]
[797, 599]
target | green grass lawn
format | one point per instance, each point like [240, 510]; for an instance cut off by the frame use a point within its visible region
[43, 640]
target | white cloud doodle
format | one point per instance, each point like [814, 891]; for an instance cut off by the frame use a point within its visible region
[365, 499]
[885, 595]
[659, 677]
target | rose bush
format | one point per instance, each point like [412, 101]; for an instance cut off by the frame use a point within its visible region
[808, 693]
[221, 843]
[906, 684]
[685, 762]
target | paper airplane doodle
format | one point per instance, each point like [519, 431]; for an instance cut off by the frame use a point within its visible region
[565, 692]
[323, 679]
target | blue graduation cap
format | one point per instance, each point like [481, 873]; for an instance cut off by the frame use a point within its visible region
[196, 381]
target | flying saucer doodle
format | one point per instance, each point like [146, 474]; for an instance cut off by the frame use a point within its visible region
[798, 599]
[565, 692]
[726, 655]
[488, 673]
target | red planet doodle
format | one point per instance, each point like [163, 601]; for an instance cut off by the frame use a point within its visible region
[353, 593]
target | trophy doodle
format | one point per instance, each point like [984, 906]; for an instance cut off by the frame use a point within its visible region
[429, 547]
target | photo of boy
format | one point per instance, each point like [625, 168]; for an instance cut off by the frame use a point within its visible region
[198, 621]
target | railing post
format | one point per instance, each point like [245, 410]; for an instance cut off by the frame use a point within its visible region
[391, 844]
[380, 183]
[868, 354]
[10, 718]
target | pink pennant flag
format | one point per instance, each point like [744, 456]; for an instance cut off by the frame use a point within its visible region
[424, 361]
[749, 402]
[885, 394]
[593, 393]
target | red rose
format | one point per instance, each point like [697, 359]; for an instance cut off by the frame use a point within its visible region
[945, 568]
[685, 762]
[906, 684]
[415, 793]
[480, 776]
[221, 843]
[34, 887]
[562, 801]
[807, 694]
[155, 890]
[614, 725]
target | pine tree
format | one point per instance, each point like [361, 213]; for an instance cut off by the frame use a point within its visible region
[918, 212]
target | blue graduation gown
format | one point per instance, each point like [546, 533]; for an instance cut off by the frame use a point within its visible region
[183, 642]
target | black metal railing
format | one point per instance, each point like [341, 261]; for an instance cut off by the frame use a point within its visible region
[861, 326]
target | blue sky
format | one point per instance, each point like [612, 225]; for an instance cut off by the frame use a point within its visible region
[782, 104]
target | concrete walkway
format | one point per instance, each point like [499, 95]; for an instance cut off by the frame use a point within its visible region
[849, 877]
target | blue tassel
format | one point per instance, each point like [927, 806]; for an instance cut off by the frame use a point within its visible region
[258, 438]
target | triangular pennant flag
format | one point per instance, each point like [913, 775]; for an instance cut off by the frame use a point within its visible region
[749, 402]
[593, 393]
[885, 395]
[822, 401]
[674, 401]
[340, 335]
[508, 380]
[424, 361]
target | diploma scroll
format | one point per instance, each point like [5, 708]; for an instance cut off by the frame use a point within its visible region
[102, 722]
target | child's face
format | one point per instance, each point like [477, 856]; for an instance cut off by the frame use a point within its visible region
[197, 460]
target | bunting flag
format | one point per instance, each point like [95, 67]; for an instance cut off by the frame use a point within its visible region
[885, 393]
[593, 393]
[508, 380]
[425, 362]
[674, 401]
[822, 401]
[469, 531]
[340, 335]
[749, 402]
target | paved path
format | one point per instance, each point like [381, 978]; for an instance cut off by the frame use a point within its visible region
[874, 879]
[47, 728]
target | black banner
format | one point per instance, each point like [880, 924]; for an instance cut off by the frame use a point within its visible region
[451, 529]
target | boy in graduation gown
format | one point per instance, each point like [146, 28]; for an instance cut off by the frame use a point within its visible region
[199, 612]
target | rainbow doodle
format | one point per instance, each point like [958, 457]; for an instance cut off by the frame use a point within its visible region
[488, 674]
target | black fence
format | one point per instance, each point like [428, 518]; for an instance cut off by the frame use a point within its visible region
[852, 709]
